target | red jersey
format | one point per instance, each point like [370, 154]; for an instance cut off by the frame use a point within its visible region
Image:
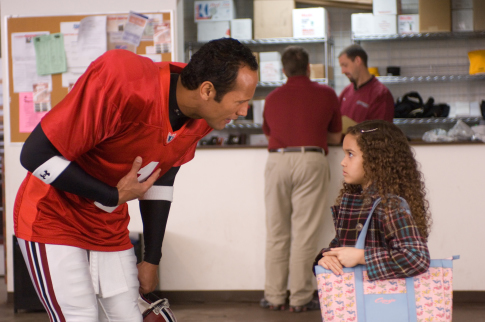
[117, 110]
[301, 113]
[371, 101]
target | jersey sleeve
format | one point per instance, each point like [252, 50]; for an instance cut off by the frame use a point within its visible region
[86, 116]
[405, 254]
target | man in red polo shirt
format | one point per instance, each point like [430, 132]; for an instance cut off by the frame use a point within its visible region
[300, 118]
[365, 98]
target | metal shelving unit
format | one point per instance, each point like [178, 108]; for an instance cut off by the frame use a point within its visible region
[421, 79]
[437, 120]
[323, 81]
[424, 37]
[190, 46]
[419, 36]
[244, 126]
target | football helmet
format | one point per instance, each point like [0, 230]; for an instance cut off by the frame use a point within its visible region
[155, 309]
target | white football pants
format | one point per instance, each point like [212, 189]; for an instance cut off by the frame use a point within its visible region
[77, 285]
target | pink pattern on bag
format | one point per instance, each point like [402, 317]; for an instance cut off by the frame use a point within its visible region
[337, 297]
[394, 286]
[434, 294]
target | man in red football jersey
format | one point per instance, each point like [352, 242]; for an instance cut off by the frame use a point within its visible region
[121, 133]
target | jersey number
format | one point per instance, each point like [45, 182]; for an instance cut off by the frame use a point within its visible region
[145, 172]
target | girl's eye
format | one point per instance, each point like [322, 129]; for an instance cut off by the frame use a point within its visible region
[350, 154]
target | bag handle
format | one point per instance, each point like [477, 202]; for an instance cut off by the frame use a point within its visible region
[363, 233]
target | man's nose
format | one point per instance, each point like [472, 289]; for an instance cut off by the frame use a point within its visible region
[243, 111]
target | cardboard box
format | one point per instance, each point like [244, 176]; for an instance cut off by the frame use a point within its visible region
[317, 71]
[310, 23]
[362, 24]
[214, 10]
[385, 24]
[386, 7]
[461, 4]
[408, 24]
[435, 15]
[213, 30]
[242, 29]
[478, 14]
[270, 68]
[462, 20]
[273, 18]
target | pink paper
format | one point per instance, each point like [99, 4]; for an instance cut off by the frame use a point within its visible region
[28, 117]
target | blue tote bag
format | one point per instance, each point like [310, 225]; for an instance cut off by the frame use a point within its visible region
[353, 297]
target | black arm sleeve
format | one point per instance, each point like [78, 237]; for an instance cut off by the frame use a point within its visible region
[154, 214]
[38, 149]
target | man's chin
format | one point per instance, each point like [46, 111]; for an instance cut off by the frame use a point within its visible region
[217, 126]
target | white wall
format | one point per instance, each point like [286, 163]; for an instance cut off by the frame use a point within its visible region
[215, 236]
[216, 230]
[14, 173]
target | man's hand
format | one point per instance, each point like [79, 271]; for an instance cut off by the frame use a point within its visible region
[147, 276]
[129, 188]
[347, 256]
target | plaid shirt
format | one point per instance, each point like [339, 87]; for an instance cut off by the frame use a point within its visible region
[394, 247]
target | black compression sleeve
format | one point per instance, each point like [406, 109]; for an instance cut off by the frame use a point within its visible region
[38, 149]
[154, 214]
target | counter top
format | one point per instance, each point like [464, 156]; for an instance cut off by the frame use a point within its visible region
[412, 142]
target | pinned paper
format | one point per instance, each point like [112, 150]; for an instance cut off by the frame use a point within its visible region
[134, 27]
[50, 55]
[28, 117]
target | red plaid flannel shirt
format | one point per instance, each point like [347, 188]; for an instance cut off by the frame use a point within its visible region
[394, 247]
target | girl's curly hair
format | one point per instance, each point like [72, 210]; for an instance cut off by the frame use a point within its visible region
[390, 166]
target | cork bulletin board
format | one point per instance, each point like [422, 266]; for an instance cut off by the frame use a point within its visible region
[52, 25]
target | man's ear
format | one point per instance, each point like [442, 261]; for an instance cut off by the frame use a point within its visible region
[207, 91]
[358, 60]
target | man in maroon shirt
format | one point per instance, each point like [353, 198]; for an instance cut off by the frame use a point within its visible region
[300, 118]
[365, 98]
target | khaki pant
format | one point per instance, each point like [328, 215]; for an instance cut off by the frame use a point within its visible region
[295, 191]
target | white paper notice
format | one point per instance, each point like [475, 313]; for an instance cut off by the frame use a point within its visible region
[24, 64]
[91, 41]
[75, 63]
[134, 28]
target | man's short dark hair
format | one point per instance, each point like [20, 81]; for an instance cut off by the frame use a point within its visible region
[353, 51]
[295, 61]
[218, 62]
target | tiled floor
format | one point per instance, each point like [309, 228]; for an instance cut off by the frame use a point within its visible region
[230, 312]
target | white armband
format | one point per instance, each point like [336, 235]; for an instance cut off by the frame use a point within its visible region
[51, 169]
[159, 193]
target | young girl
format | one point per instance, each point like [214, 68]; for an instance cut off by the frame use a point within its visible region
[379, 163]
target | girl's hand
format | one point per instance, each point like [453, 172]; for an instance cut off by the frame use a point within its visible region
[332, 263]
[347, 256]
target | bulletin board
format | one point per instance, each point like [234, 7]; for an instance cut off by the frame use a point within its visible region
[52, 24]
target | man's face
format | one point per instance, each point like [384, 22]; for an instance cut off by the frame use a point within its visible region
[350, 68]
[233, 103]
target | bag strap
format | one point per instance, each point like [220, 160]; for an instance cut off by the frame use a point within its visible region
[363, 233]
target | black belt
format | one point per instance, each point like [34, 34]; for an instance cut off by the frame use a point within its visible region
[298, 149]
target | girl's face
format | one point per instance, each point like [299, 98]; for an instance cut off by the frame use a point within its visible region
[353, 162]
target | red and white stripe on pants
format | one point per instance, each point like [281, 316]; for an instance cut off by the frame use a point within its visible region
[62, 277]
